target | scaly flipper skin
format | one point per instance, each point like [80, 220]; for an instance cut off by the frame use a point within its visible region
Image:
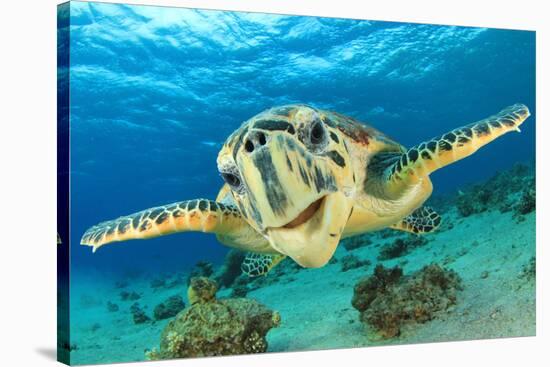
[422, 220]
[193, 215]
[427, 157]
[255, 265]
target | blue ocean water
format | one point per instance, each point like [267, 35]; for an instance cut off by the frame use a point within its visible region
[155, 91]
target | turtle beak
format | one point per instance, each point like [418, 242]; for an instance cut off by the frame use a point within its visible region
[312, 239]
[293, 199]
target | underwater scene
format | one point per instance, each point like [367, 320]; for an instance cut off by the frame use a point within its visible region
[248, 183]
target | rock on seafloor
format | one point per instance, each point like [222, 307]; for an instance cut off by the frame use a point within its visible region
[169, 308]
[212, 327]
[387, 300]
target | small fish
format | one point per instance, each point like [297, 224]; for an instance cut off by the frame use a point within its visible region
[209, 143]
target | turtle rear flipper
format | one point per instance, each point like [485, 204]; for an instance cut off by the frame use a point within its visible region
[422, 220]
[419, 161]
[255, 265]
[193, 215]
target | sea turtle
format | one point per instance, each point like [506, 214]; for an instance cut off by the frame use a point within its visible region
[299, 179]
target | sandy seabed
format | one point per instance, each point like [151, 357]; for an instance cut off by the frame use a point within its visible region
[490, 251]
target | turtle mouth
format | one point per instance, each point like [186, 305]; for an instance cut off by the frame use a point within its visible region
[311, 237]
[305, 215]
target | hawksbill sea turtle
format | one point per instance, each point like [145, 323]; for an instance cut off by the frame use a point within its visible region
[299, 179]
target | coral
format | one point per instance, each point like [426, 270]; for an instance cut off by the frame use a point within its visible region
[367, 289]
[388, 300]
[499, 193]
[241, 286]
[527, 202]
[158, 283]
[401, 246]
[152, 355]
[212, 327]
[230, 269]
[129, 296]
[356, 242]
[202, 269]
[239, 291]
[529, 270]
[201, 289]
[169, 308]
[112, 307]
[506, 206]
[475, 201]
[138, 314]
[353, 262]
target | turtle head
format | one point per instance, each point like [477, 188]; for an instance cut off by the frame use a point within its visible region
[290, 174]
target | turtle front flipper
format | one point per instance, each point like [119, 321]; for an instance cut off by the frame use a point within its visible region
[422, 220]
[193, 215]
[419, 161]
[255, 264]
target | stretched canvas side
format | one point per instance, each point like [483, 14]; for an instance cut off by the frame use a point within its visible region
[63, 174]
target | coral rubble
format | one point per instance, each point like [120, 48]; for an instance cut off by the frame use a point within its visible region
[401, 246]
[212, 327]
[501, 192]
[169, 308]
[159, 282]
[356, 242]
[139, 314]
[112, 307]
[529, 270]
[202, 269]
[387, 300]
[240, 287]
[129, 296]
[353, 262]
[527, 202]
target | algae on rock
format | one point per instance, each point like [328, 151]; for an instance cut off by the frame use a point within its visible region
[212, 327]
[388, 300]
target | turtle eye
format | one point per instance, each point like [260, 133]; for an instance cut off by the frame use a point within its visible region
[316, 139]
[317, 134]
[231, 179]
